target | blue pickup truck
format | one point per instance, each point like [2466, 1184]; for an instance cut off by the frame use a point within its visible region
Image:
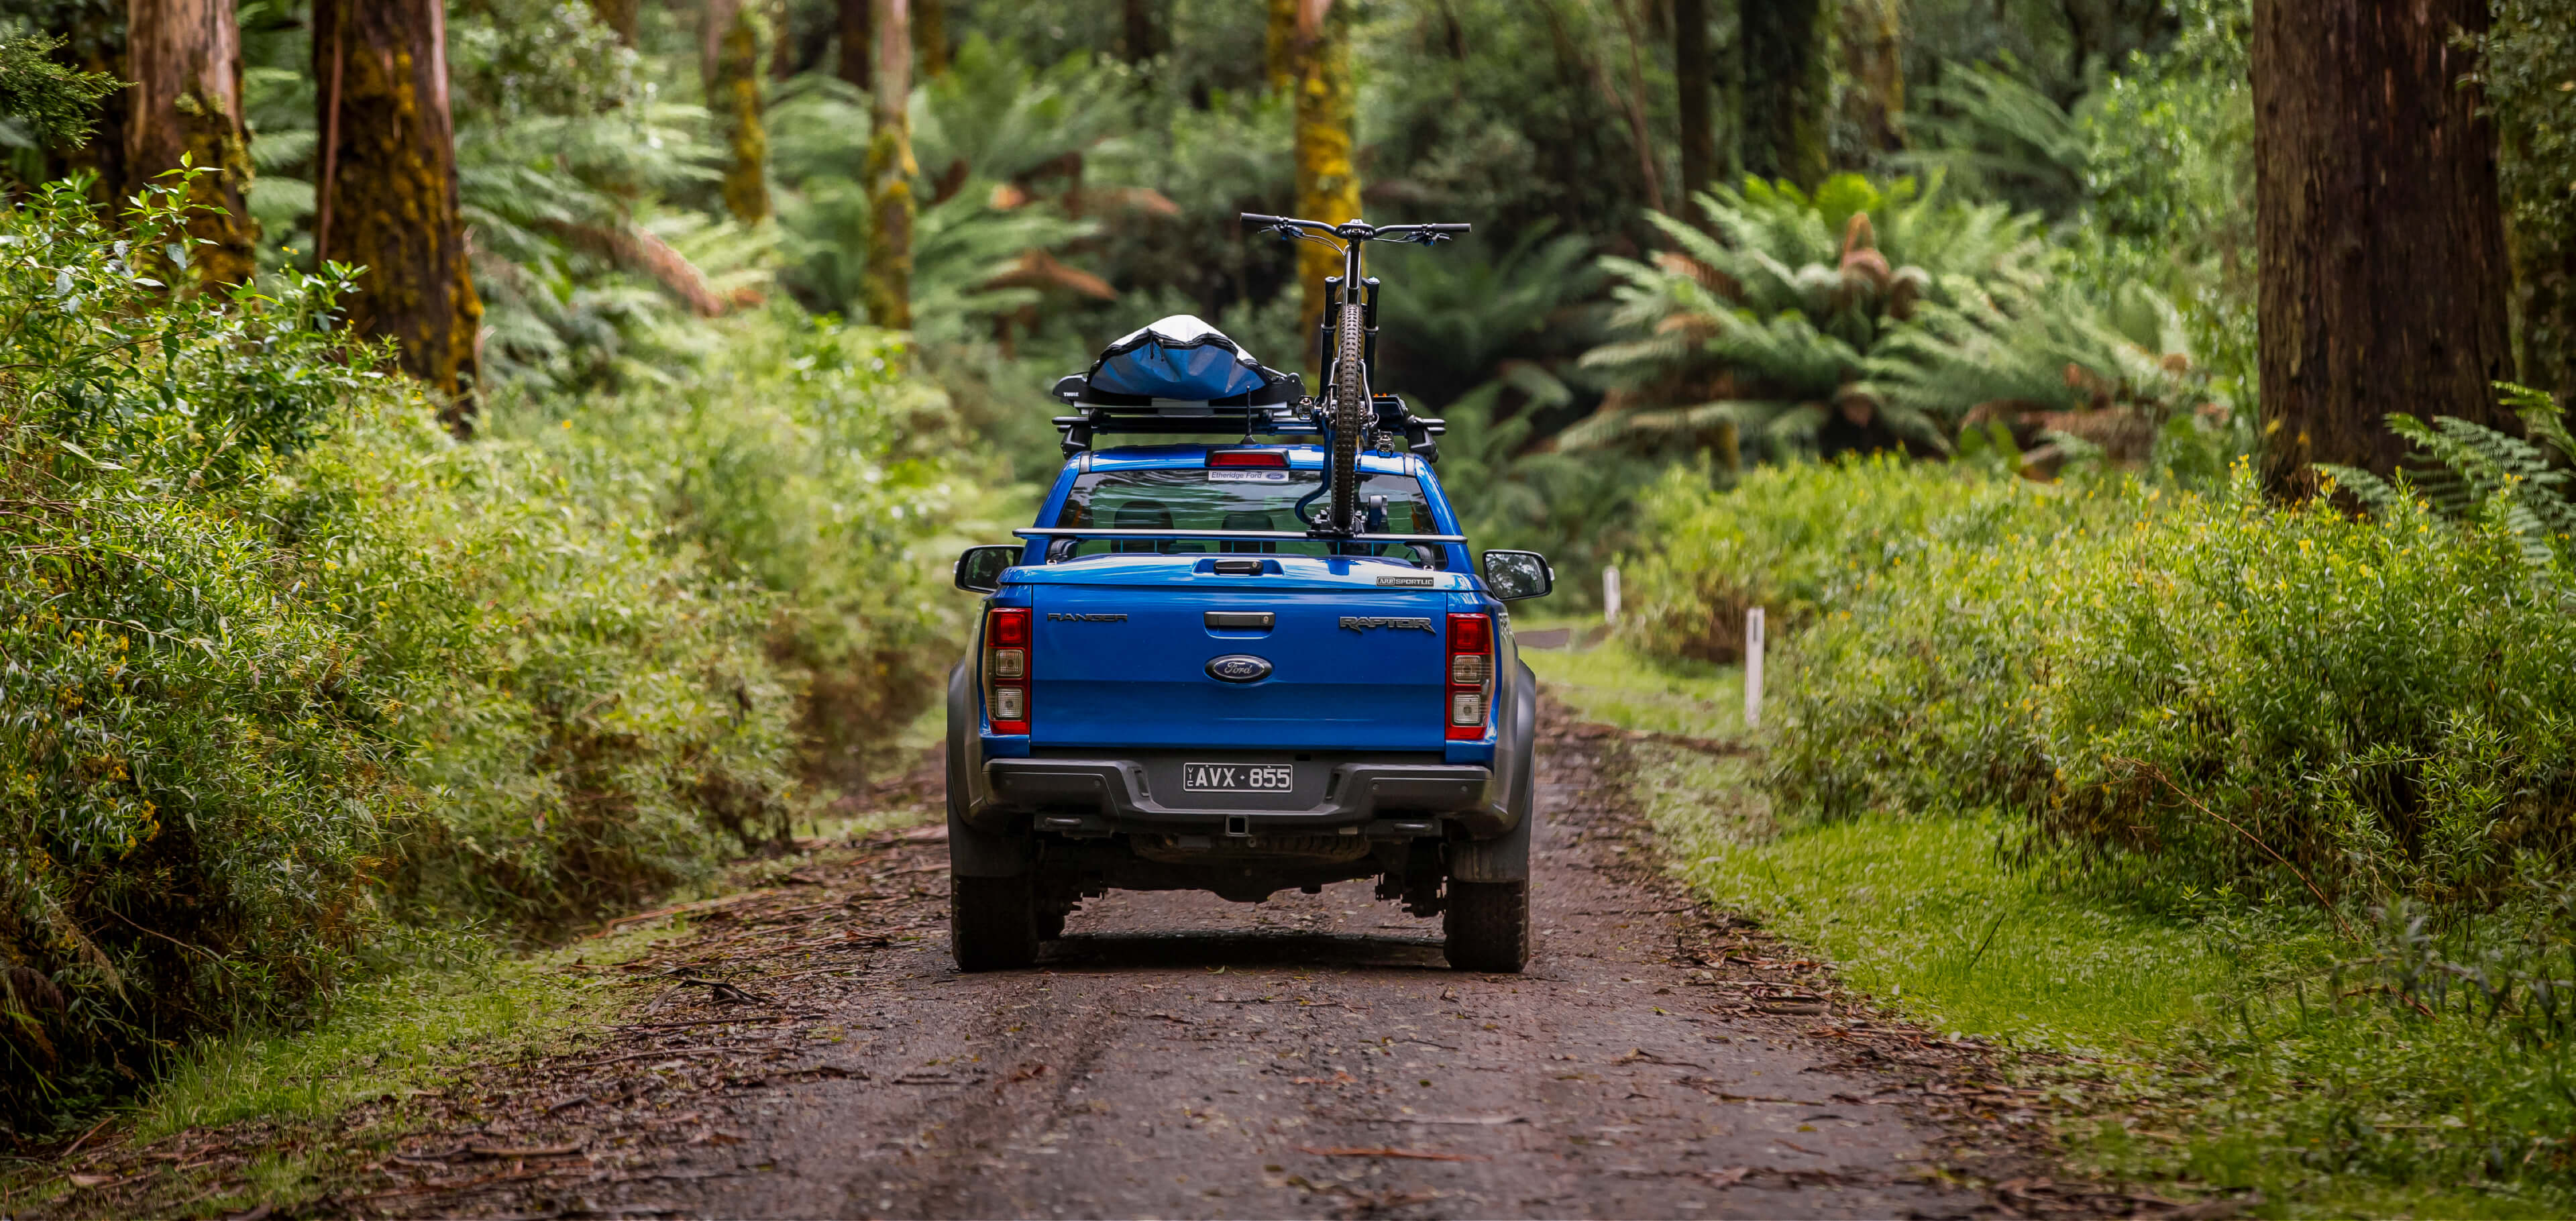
[1192, 675]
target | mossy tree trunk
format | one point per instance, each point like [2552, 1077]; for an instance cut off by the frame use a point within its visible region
[184, 57]
[620, 16]
[1279, 46]
[1693, 73]
[731, 62]
[930, 36]
[890, 171]
[2382, 240]
[1873, 38]
[388, 194]
[858, 45]
[1328, 181]
[1788, 83]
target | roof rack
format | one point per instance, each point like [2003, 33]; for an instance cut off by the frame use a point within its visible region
[1287, 412]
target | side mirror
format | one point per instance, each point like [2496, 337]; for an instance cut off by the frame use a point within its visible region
[1513, 575]
[979, 570]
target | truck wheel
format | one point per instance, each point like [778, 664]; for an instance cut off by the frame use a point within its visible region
[1051, 924]
[1488, 926]
[992, 922]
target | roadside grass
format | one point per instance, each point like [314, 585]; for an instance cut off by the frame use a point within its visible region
[2205, 1049]
[1611, 683]
[439, 1003]
[461, 1002]
[460, 999]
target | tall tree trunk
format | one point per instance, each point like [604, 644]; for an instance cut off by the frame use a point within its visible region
[388, 193]
[619, 16]
[930, 36]
[2381, 238]
[732, 66]
[1279, 46]
[1138, 21]
[184, 57]
[1873, 40]
[1328, 182]
[1692, 73]
[1788, 83]
[890, 172]
[858, 48]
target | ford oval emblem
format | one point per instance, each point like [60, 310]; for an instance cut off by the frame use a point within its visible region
[1238, 668]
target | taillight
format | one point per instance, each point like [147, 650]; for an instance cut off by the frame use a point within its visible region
[1471, 675]
[1006, 669]
[1271, 458]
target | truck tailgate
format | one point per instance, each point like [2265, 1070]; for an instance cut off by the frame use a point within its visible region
[1123, 650]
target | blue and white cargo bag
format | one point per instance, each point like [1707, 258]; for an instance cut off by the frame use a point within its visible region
[1177, 360]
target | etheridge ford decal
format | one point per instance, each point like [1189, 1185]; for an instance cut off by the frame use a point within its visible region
[1361, 623]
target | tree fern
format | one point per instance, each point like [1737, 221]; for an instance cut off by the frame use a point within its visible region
[2470, 472]
[1919, 307]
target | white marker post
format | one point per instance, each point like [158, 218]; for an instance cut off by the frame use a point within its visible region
[1610, 595]
[1753, 668]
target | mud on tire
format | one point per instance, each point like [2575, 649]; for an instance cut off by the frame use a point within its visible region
[1488, 926]
[992, 923]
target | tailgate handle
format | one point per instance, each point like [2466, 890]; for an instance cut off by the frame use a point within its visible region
[1240, 621]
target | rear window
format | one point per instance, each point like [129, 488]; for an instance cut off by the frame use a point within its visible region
[1233, 499]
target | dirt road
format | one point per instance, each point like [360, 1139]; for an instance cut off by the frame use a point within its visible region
[1176, 1055]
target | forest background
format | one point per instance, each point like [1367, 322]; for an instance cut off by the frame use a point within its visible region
[509, 468]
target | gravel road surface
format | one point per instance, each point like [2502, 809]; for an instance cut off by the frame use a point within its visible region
[804, 1048]
[1177, 1055]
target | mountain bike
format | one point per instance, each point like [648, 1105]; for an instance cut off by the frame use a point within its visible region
[1348, 344]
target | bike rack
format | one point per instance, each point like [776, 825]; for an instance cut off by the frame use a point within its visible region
[1295, 417]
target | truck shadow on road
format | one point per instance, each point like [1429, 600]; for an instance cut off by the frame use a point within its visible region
[1165, 951]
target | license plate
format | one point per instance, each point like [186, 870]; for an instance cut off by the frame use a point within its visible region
[1238, 777]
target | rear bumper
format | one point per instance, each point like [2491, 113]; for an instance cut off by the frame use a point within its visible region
[1104, 796]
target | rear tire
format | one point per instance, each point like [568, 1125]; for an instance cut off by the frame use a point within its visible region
[992, 922]
[1488, 926]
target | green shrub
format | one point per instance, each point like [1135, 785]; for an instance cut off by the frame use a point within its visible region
[191, 775]
[2205, 691]
[796, 457]
[281, 661]
[2358, 732]
[1795, 540]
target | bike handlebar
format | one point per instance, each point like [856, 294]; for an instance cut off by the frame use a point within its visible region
[1354, 230]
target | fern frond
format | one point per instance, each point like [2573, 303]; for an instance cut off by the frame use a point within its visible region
[2383, 499]
[2541, 416]
[1606, 428]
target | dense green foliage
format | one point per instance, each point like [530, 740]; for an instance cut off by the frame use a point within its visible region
[2204, 690]
[2529, 74]
[41, 101]
[286, 662]
[1875, 302]
[2352, 732]
[183, 749]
